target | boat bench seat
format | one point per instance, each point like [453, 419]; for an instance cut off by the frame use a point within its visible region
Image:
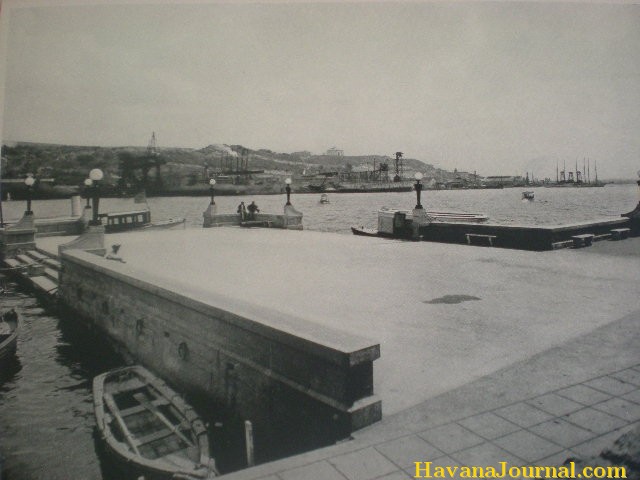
[489, 238]
[141, 408]
[584, 240]
[620, 233]
[152, 437]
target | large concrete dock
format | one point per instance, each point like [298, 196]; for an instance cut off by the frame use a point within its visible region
[462, 331]
[444, 315]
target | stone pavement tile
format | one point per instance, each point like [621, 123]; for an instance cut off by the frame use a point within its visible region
[488, 425]
[407, 450]
[317, 471]
[363, 464]
[622, 408]
[596, 445]
[555, 404]
[527, 446]
[562, 432]
[556, 459]
[442, 462]
[629, 375]
[523, 414]
[595, 420]
[451, 437]
[632, 396]
[611, 385]
[485, 455]
[399, 475]
[583, 394]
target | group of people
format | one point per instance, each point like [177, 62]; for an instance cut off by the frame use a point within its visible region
[248, 213]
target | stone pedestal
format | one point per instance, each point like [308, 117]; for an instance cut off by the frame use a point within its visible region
[292, 218]
[208, 214]
[19, 237]
[92, 241]
[420, 219]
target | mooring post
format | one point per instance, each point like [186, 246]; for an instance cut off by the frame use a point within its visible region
[248, 436]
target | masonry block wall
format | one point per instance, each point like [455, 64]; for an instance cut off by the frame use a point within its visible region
[270, 367]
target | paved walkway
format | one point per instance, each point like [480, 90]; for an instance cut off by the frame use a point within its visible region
[571, 401]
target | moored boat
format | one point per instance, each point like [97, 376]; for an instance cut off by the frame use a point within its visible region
[8, 334]
[399, 223]
[166, 224]
[324, 198]
[144, 423]
[461, 217]
[115, 222]
[528, 195]
[365, 232]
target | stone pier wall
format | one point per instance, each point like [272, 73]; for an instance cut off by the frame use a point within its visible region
[270, 367]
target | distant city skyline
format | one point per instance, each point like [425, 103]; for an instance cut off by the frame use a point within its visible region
[493, 87]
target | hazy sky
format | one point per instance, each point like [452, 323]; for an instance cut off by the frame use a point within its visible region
[500, 88]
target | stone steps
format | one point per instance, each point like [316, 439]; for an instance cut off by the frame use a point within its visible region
[37, 268]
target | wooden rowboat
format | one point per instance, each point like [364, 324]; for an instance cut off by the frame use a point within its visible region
[366, 232]
[8, 334]
[145, 423]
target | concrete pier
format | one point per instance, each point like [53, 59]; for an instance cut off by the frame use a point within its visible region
[446, 317]
[480, 309]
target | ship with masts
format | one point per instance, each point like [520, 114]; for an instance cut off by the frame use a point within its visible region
[577, 178]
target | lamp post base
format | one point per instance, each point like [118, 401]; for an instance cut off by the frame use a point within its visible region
[92, 241]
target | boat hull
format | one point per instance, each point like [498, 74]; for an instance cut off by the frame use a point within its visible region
[147, 429]
[365, 232]
[9, 340]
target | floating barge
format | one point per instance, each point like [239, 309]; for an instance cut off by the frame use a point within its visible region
[471, 229]
[522, 237]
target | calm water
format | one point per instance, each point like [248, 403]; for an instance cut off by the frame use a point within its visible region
[46, 413]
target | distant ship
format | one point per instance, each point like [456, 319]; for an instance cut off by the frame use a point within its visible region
[567, 179]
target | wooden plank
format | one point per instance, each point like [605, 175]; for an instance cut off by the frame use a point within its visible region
[140, 397]
[140, 408]
[110, 402]
[152, 437]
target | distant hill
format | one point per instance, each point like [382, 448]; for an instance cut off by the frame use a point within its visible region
[70, 164]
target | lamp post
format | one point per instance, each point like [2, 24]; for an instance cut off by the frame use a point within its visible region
[418, 187]
[95, 176]
[212, 182]
[288, 190]
[87, 185]
[29, 181]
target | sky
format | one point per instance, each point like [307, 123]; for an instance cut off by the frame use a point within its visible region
[500, 88]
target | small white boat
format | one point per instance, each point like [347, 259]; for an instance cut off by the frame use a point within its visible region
[528, 195]
[324, 198]
[147, 425]
[166, 224]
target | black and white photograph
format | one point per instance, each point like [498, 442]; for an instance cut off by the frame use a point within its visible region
[319, 240]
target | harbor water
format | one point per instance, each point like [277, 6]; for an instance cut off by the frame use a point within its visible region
[47, 428]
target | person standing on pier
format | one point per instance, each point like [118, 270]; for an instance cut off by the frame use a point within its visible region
[253, 209]
[242, 211]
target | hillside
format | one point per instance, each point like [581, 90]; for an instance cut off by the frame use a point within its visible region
[69, 164]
